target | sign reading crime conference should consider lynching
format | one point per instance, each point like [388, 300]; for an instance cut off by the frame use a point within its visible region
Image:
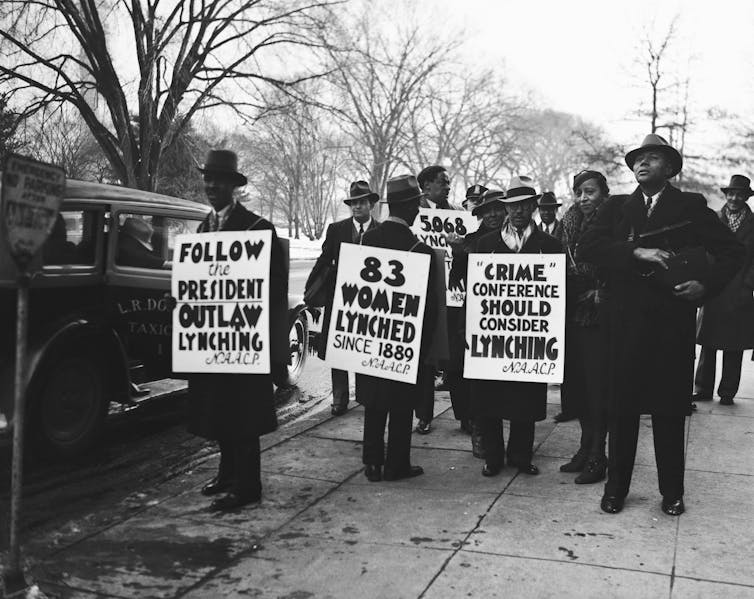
[221, 322]
[515, 317]
[378, 311]
[432, 226]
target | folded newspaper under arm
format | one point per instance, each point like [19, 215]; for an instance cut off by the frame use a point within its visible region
[686, 264]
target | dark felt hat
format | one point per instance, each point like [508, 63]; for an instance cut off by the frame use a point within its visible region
[475, 191]
[223, 162]
[548, 199]
[491, 197]
[360, 190]
[656, 142]
[739, 183]
[402, 189]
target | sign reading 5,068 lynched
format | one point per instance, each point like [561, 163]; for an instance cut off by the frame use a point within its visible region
[515, 317]
[31, 196]
[377, 313]
[221, 285]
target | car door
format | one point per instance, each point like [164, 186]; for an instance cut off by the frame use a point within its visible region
[139, 267]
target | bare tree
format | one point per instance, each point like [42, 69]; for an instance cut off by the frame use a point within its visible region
[654, 59]
[190, 56]
[9, 140]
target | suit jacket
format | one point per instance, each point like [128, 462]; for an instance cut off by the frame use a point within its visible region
[342, 231]
[239, 407]
[378, 392]
[131, 252]
[511, 400]
[556, 231]
[651, 349]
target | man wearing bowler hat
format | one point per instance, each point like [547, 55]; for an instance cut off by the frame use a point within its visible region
[360, 200]
[521, 403]
[235, 409]
[384, 398]
[634, 239]
[726, 322]
[548, 208]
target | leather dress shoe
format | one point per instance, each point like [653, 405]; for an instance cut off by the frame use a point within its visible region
[673, 507]
[699, 396]
[726, 400]
[563, 417]
[338, 410]
[577, 463]
[593, 472]
[423, 428]
[528, 469]
[216, 486]
[491, 469]
[612, 504]
[409, 472]
[233, 501]
[373, 473]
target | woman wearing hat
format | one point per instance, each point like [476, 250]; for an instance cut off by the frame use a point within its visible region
[584, 390]
[726, 322]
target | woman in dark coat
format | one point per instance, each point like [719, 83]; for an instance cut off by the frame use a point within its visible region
[726, 322]
[584, 390]
[521, 403]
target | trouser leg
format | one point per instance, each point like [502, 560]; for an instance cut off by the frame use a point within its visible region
[668, 433]
[227, 469]
[373, 451]
[399, 438]
[731, 375]
[491, 430]
[704, 380]
[624, 434]
[248, 468]
[595, 393]
[521, 442]
[426, 388]
[339, 388]
[459, 395]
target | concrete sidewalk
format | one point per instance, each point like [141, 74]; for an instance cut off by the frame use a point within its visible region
[322, 530]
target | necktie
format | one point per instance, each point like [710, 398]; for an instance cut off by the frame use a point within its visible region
[649, 204]
[361, 232]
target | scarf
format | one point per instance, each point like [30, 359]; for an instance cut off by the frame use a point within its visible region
[511, 237]
[733, 220]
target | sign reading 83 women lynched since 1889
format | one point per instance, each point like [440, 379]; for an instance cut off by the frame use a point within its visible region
[378, 312]
[515, 317]
[221, 322]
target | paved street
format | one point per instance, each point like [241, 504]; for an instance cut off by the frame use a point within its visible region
[322, 530]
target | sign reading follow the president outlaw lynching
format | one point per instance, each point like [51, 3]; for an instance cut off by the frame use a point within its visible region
[515, 317]
[221, 322]
[377, 313]
[432, 226]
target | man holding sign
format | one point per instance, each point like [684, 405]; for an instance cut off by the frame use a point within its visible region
[500, 314]
[383, 396]
[235, 409]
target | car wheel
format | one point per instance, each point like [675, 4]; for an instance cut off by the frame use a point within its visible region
[70, 407]
[298, 339]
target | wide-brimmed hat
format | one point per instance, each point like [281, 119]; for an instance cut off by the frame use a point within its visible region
[656, 142]
[402, 189]
[360, 190]
[521, 188]
[475, 191]
[223, 162]
[491, 197]
[739, 183]
[548, 199]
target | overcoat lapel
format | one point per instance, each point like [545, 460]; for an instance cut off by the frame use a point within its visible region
[668, 211]
[635, 212]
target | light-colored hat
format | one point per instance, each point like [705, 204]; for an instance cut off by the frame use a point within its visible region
[656, 142]
[520, 188]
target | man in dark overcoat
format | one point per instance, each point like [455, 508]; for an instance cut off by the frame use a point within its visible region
[235, 409]
[385, 398]
[547, 206]
[651, 325]
[360, 200]
[520, 402]
[726, 322]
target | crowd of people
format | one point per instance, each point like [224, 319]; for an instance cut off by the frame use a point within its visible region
[648, 276]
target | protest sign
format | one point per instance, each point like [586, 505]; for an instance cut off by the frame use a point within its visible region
[31, 195]
[432, 226]
[515, 317]
[378, 312]
[221, 323]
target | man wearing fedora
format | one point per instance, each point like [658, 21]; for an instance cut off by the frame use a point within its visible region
[651, 322]
[726, 322]
[360, 200]
[548, 208]
[385, 399]
[494, 401]
[235, 409]
[473, 197]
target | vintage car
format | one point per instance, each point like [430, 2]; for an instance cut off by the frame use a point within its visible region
[99, 319]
